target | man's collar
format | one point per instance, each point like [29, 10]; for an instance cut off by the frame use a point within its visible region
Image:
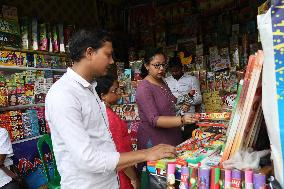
[183, 75]
[73, 75]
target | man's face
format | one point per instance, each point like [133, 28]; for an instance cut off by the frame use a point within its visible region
[176, 72]
[101, 59]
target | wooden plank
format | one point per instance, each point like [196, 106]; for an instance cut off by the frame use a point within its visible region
[248, 102]
[235, 120]
[253, 115]
[253, 128]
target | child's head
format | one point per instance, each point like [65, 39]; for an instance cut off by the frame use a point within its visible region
[108, 89]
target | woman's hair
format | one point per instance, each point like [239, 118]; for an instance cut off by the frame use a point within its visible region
[149, 56]
[104, 83]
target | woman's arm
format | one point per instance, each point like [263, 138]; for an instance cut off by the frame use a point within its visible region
[169, 121]
[131, 174]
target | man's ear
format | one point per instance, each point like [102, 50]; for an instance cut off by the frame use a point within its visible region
[89, 52]
[103, 96]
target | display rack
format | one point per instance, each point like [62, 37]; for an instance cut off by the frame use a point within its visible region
[34, 52]
[20, 107]
[11, 68]
[15, 69]
[26, 139]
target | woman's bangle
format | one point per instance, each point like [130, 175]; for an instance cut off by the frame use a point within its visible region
[181, 120]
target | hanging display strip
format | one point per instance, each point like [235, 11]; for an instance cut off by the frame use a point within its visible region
[244, 107]
[277, 12]
[270, 27]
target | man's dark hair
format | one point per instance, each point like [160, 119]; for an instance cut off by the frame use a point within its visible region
[175, 62]
[104, 83]
[85, 38]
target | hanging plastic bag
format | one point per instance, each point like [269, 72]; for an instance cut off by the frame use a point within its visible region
[247, 159]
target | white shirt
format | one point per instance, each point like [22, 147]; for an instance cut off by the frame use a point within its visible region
[85, 153]
[183, 86]
[6, 149]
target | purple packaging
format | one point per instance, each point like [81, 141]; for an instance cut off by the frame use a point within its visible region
[203, 178]
[184, 178]
[236, 179]
[259, 181]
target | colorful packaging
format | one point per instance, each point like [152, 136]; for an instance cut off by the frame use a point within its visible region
[68, 31]
[34, 34]
[25, 32]
[171, 175]
[10, 33]
[203, 178]
[21, 59]
[61, 38]
[30, 60]
[219, 81]
[3, 97]
[215, 177]
[8, 58]
[43, 42]
[49, 38]
[211, 81]
[259, 181]
[184, 178]
[203, 79]
[193, 177]
[236, 179]
[10, 12]
[55, 39]
[228, 179]
[248, 179]
[222, 179]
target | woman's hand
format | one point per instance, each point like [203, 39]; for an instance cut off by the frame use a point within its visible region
[189, 119]
[135, 183]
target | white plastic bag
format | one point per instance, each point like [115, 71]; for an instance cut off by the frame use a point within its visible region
[247, 159]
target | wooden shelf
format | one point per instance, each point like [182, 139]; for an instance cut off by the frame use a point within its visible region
[11, 68]
[33, 52]
[21, 107]
[26, 139]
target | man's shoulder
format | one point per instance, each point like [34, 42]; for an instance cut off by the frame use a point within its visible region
[169, 79]
[3, 133]
[61, 89]
[188, 76]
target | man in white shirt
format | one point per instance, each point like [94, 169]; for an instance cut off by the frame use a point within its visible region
[182, 84]
[84, 150]
[6, 152]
